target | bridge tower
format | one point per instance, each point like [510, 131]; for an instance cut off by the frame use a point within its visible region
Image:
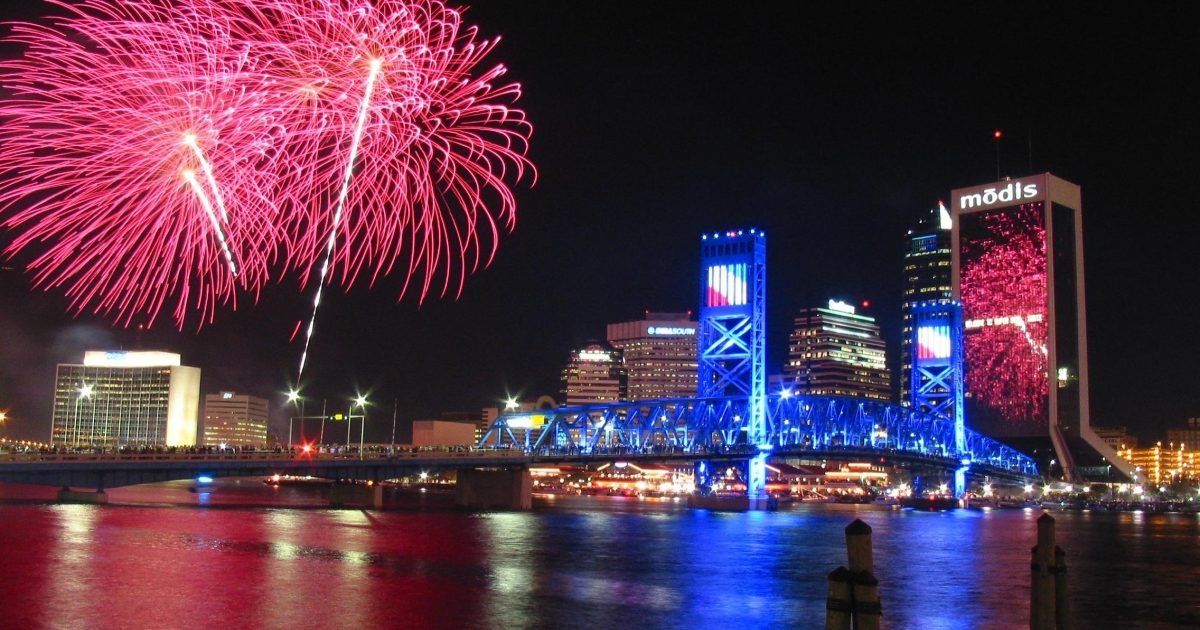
[936, 381]
[732, 334]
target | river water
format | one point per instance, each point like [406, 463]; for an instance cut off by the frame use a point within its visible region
[233, 557]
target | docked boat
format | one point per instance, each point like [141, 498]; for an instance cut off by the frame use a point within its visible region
[930, 504]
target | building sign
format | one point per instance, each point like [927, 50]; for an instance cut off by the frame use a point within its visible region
[100, 358]
[841, 307]
[670, 330]
[594, 355]
[1000, 194]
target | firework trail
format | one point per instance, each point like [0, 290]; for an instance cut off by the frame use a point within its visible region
[122, 119]
[402, 155]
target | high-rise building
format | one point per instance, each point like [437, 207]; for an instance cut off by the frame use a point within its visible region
[233, 419]
[1018, 272]
[594, 375]
[126, 398]
[660, 355]
[834, 351]
[927, 279]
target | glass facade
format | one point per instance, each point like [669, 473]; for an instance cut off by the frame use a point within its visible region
[106, 407]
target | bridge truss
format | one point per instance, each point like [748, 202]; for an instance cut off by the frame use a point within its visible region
[793, 425]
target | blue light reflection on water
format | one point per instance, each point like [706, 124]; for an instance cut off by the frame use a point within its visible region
[581, 563]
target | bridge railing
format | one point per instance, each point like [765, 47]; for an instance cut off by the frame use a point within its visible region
[262, 456]
[816, 423]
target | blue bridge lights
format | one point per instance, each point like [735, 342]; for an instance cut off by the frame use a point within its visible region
[794, 425]
[732, 416]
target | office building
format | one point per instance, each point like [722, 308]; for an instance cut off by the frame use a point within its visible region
[660, 355]
[117, 399]
[594, 375]
[232, 419]
[1189, 434]
[1018, 272]
[443, 433]
[835, 351]
[927, 280]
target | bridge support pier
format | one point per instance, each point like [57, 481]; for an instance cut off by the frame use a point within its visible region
[67, 495]
[343, 494]
[494, 489]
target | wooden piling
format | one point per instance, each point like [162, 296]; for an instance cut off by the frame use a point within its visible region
[838, 606]
[864, 594]
[1042, 587]
[858, 547]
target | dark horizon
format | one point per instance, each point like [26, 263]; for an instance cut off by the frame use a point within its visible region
[833, 129]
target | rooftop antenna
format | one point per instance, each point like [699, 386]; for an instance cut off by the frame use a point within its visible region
[996, 136]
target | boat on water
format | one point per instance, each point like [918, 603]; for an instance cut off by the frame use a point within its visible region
[930, 504]
[295, 480]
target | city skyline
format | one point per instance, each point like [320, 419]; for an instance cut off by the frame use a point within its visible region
[649, 132]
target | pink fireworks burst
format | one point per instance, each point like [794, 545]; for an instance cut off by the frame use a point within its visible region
[188, 152]
[401, 154]
[131, 143]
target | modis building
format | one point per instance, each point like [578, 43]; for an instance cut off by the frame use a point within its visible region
[1018, 272]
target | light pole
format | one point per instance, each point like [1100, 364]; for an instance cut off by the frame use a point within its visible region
[359, 401]
[84, 392]
[292, 397]
[321, 437]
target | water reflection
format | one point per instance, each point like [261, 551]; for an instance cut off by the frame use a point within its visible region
[583, 563]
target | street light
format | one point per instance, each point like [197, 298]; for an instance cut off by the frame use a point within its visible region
[84, 392]
[292, 397]
[359, 401]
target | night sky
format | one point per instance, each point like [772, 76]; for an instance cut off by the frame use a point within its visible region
[833, 129]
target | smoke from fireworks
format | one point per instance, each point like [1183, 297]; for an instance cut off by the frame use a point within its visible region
[185, 153]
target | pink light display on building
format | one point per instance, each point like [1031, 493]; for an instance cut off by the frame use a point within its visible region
[1004, 297]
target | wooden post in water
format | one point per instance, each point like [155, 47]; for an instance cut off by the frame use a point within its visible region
[853, 600]
[1043, 593]
[864, 594]
[837, 604]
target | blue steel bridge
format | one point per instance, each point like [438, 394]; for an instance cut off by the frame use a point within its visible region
[795, 426]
